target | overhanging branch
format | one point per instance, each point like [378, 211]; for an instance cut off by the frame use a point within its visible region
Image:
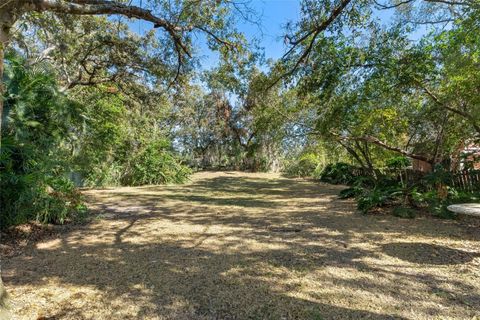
[312, 34]
[99, 7]
[384, 145]
[105, 7]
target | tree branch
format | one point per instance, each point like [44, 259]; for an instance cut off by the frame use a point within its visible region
[396, 5]
[384, 145]
[435, 99]
[313, 33]
[100, 7]
[105, 7]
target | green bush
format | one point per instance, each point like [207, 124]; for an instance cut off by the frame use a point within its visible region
[261, 164]
[350, 192]
[33, 183]
[438, 176]
[26, 197]
[155, 164]
[438, 206]
[374, 198]
[387, 192]
[371, 193]
[46, 137]
[60, 203]
[305, 166]
[99, 155]
[338, 173]
[386, 189]
[359, 185]
[398, 162]
[104, 175]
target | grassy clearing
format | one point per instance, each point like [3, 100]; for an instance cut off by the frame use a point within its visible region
[246, 246]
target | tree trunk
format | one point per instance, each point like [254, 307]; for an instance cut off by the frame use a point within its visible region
[3, 292]
[6, 22]
[3, 44]
[353, 153]
[7, 19]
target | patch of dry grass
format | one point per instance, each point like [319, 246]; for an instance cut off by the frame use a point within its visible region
[246, 246]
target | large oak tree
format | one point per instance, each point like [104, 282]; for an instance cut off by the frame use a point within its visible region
[176, 22]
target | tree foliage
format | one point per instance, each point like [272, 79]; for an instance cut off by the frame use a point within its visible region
[132, 108]
[33, 163]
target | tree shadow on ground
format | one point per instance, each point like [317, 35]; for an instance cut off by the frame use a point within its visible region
[299, 253]
[179, 282]
[426, 253]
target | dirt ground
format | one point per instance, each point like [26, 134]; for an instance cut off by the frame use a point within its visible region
[246, 246]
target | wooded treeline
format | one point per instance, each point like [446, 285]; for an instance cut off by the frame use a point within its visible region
[87, 101]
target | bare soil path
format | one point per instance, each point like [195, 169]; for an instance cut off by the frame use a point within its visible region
[246, 246]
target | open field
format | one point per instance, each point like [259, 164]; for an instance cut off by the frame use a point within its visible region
[246, 246]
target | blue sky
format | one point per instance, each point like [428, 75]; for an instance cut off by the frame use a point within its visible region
[269, 31]
[273, 15]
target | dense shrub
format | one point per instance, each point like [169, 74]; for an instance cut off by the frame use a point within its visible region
[101, 145]
[350, 192]
[104, 174]
[338, 173]
[33, 182]
[398, 162]
[307, 165]
[47, 138]
[115, 150]
[358, 187]
[377, 197]
[155, 164]
[388, 189]
[437, 204]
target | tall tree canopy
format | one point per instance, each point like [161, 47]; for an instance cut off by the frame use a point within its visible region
[177, 23]
[374, 89]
